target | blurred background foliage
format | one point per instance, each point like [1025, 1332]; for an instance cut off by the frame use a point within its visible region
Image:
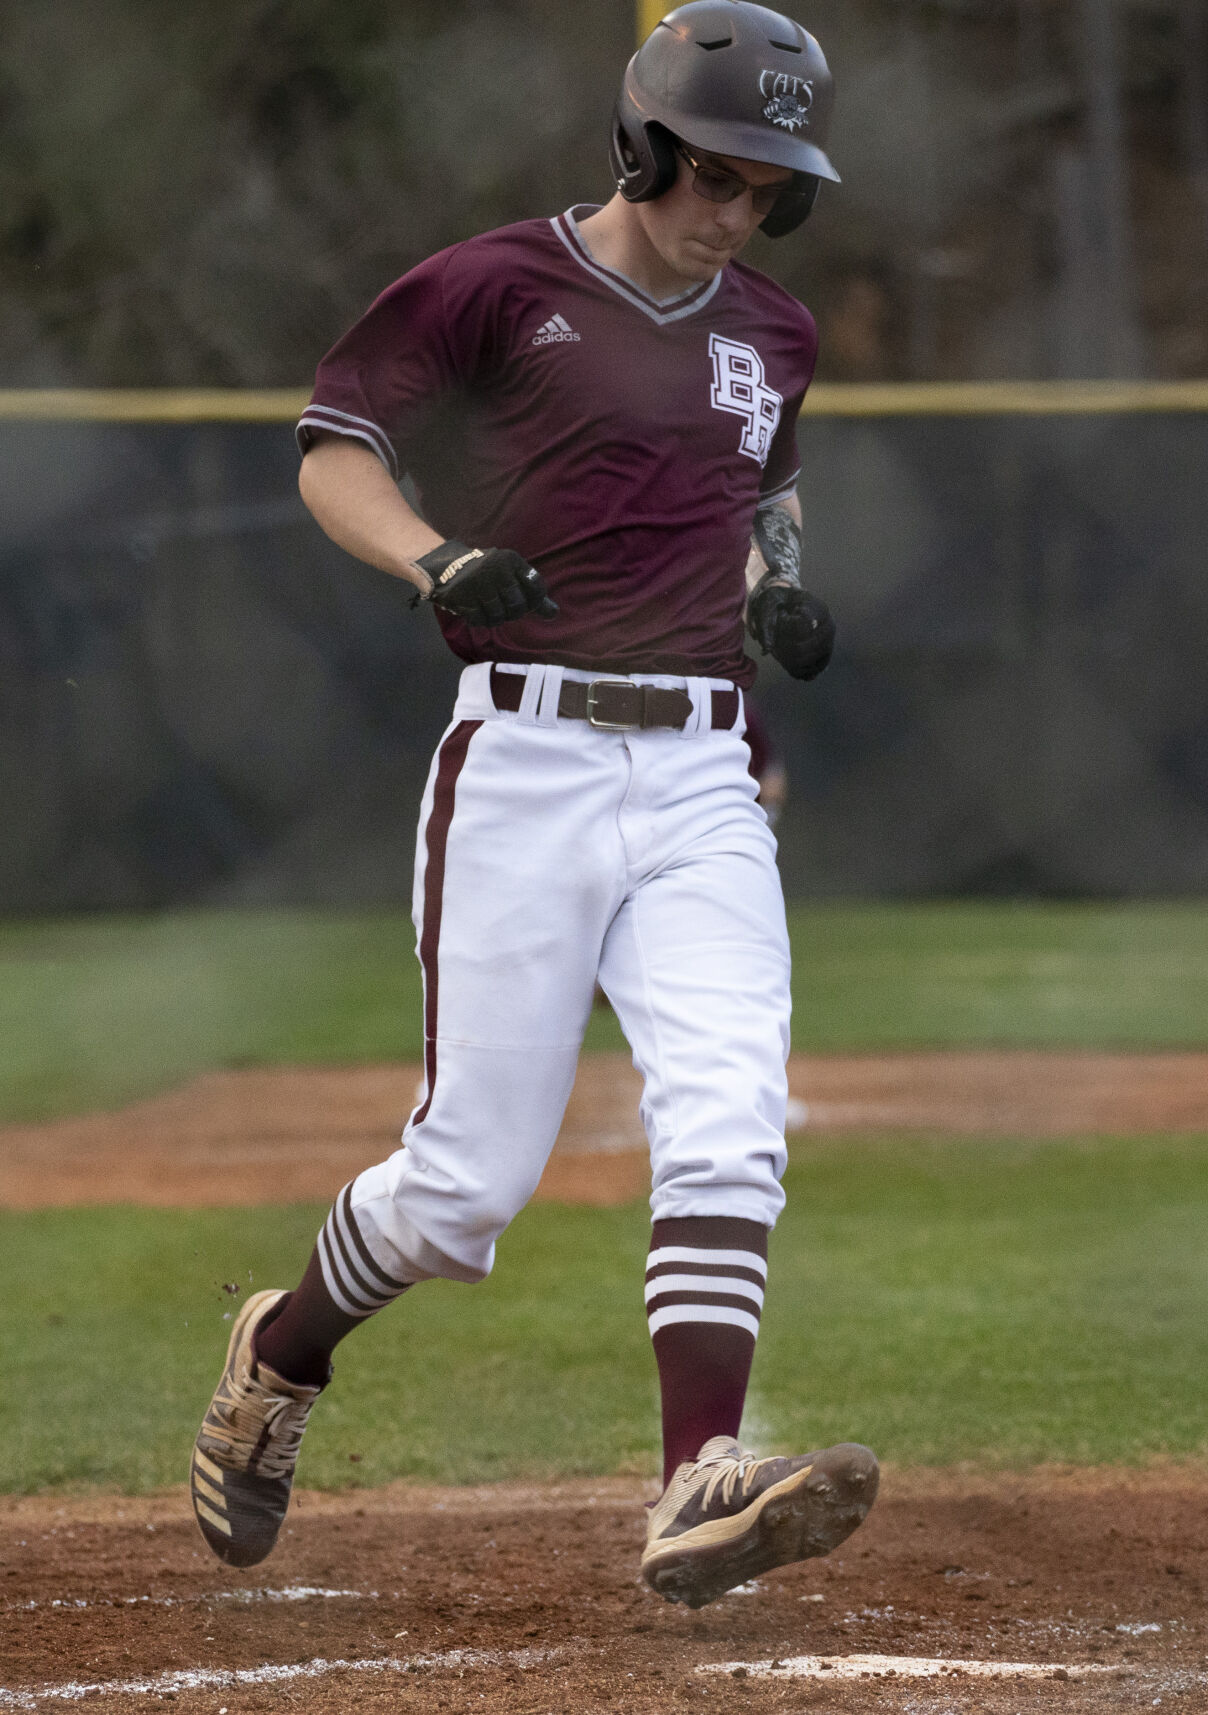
[208, 195]
[201, 699]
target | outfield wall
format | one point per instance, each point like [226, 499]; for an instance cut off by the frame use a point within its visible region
[202, 699]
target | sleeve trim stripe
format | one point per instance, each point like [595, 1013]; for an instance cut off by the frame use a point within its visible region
[340, 423]
[781, 493]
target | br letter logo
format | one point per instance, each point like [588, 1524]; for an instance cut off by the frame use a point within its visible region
[739, 387]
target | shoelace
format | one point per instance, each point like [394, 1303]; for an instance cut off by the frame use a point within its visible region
[263, 1425]
[730, 1473]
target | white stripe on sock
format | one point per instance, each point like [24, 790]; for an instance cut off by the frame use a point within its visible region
[335, 1287]
[704, 1313]
[372, 1292]
[329, 1244]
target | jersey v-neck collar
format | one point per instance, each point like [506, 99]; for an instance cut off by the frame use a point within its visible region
[660, 310]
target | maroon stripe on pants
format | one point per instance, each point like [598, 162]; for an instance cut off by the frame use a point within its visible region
[436, 839]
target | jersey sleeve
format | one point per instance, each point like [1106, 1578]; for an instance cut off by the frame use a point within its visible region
[425, 336]
[783, 469]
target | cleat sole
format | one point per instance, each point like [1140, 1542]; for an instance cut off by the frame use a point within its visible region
[806, 1515]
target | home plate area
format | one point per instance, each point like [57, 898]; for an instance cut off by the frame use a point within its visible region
[1002, 1594]
[901, 1666]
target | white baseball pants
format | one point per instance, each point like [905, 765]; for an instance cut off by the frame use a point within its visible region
[550, 852]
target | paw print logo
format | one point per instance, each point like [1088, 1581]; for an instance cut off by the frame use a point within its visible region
[786, 111]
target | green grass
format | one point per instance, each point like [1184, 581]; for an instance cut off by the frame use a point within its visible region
[1008, 975]
[97, 1011]
[1003, 1303]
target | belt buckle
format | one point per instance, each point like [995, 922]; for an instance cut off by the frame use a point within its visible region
[593, 698]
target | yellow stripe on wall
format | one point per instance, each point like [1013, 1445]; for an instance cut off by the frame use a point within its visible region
[154, 405]
[648, 14]
[1002, 398]
[824, 399]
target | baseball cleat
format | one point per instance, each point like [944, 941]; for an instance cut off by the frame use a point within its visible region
[730, 1516]
[247, 1447]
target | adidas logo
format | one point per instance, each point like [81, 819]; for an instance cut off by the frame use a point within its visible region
[556, 328]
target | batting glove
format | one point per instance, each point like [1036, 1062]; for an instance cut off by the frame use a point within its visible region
[793, 625]
[485, 586]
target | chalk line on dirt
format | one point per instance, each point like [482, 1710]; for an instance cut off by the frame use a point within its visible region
[901, 1667]
[290, 1593]
[225, 1678]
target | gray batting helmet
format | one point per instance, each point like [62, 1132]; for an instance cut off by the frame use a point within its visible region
[731, 78]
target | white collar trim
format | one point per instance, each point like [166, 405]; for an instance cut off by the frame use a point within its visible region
[660, 310]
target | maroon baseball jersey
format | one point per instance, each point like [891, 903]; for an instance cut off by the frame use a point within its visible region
[544, 403]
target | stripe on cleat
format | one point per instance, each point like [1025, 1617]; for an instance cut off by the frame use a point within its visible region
[206, 1464]
[205, 1490]
[214, 1518]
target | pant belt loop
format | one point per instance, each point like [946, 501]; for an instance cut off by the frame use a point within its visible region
[700, 721]
[530, 696]
[551, 689]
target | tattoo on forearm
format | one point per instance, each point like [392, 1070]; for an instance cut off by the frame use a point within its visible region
[779, 542]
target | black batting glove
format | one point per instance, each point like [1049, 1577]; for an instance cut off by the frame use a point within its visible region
[793, 625]
[485, 586]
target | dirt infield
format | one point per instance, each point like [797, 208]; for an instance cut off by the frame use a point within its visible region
[988, 1595]
[1057, 1591]
[294, 1133]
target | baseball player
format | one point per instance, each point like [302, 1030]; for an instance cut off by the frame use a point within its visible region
[598, 413]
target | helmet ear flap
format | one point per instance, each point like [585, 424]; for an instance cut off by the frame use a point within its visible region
[662, 153]
[642, 157]
[792, 207]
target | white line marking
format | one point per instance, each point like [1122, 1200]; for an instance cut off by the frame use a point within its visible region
[209, 1678]
[291, 1593]
[901, 1667]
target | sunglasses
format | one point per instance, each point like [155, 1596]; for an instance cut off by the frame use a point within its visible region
[715, 184]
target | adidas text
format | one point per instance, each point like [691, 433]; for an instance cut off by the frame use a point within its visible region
[555, 330]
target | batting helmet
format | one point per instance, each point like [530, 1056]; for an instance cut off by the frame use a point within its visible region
[730, 78]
